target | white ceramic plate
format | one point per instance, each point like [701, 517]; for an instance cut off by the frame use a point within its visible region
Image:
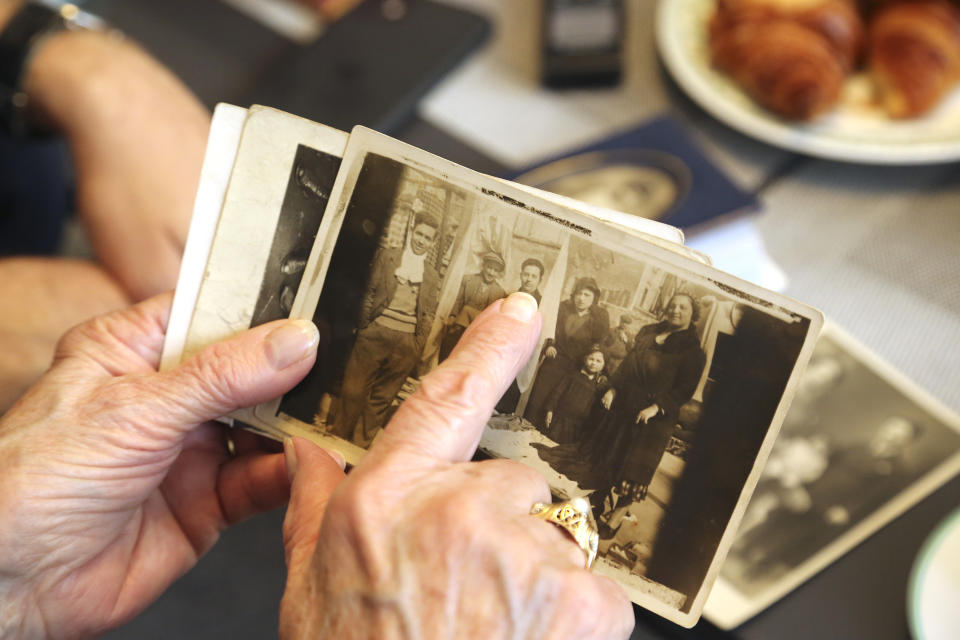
[855, 131]
[934, 592]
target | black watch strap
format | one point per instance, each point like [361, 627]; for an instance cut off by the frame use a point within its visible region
[26, 28]
[33, 23]
[18, 36]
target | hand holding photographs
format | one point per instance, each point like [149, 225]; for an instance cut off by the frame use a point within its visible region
[659, 383]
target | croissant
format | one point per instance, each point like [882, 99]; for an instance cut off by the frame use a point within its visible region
[914, 54]
[792, 57]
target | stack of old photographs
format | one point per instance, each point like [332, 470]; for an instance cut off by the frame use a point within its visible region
[659, 383]
[860, 445]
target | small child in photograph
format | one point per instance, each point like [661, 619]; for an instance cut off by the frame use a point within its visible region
[570, 402]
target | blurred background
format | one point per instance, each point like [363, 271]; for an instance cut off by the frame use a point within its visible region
[851, 206]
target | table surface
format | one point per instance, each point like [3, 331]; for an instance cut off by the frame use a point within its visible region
[875, 248]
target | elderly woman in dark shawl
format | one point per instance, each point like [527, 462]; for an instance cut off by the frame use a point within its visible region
[657, 377]
[581, 323]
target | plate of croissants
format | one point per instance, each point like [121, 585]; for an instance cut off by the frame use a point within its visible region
[872, 81]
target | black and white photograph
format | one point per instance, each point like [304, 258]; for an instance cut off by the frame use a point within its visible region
[284, 171]
[393, 257]
[644, 374]
[858, 447]
[650, 363]
[642, 182]
[308, 191]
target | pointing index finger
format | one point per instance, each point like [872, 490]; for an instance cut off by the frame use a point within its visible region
[444, 419]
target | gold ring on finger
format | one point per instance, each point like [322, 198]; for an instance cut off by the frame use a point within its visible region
[574, 517]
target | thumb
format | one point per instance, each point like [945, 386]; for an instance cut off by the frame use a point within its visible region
[444, 419]
[253, 367]
[314, 473]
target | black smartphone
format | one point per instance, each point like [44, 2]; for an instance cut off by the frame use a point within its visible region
[582, 43]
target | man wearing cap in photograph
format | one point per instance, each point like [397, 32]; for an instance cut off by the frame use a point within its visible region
[397, 313]
[477, 292]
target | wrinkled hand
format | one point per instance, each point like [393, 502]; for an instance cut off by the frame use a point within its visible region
[113, 484]
[648, 414]
[420, 543]
[551, 352]
[607, 399]
[138, 137]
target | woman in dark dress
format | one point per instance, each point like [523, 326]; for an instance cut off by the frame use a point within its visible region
[656, 378]
[581, 323]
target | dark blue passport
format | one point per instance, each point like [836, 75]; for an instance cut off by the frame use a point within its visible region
[655, 171]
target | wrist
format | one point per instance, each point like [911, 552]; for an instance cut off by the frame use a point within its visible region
[69, 74]
[86, 82]
[27, 30]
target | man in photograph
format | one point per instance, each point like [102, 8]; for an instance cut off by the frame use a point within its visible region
[531, 275]
[397, 312]
[477, 292]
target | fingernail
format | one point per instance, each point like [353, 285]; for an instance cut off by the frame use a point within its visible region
[519, 306]
[290, 455]
[337, 457]
[291, 342]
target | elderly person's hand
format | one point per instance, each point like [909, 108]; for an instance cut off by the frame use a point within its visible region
[420, 543]
[112, 482]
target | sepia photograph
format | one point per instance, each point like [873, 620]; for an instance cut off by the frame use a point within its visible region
[392, 258]
[648, 183]
[859, 446]
[308, 191]
[284, 170]
[650, 363]
[644, 375]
